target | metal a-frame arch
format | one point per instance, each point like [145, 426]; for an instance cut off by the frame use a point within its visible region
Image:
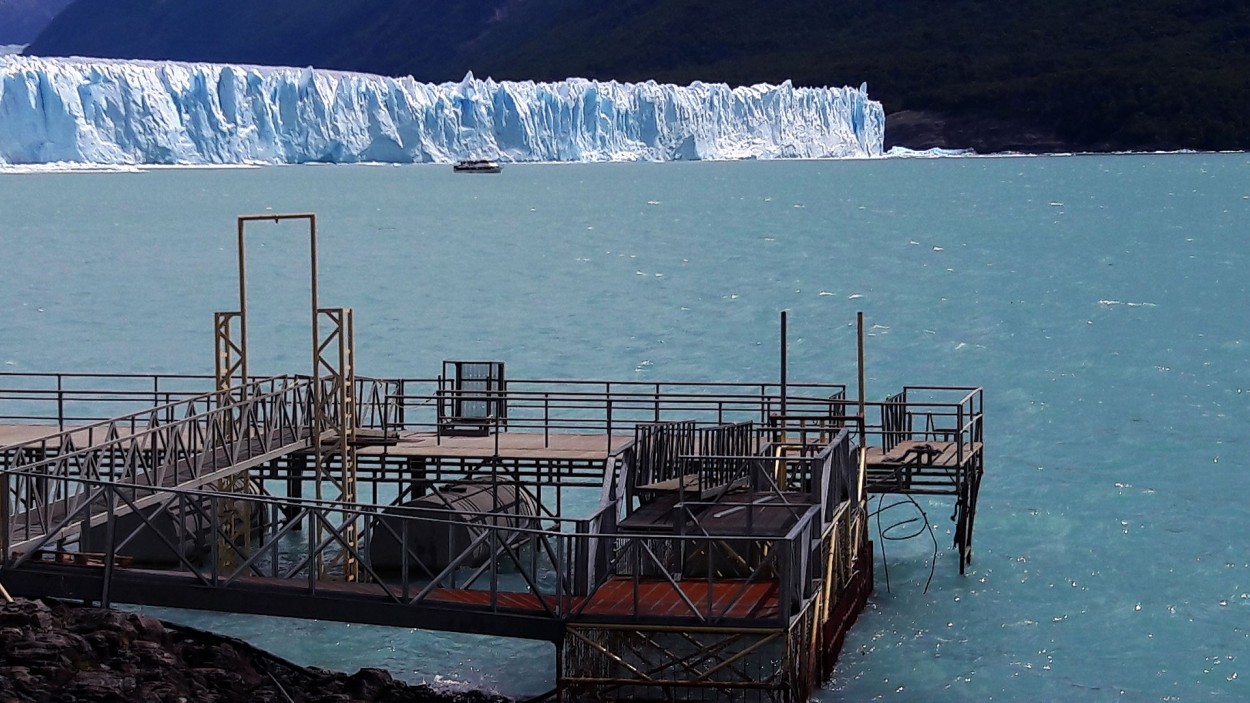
[333, 430]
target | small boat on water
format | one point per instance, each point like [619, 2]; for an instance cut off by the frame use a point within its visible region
[479, 166]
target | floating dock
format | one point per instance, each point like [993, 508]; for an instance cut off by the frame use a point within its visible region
[674, 541]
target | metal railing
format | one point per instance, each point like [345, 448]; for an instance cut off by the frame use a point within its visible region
[548, 568]
[607, 407]
[938, 413]
[397, 404]
[186, 443]
[65, 399]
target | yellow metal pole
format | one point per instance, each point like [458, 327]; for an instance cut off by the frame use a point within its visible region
[782, 436]
[343, 370]
[316, 306]
[7, 598]
[242, 310]
[863, 430]
[784, 370]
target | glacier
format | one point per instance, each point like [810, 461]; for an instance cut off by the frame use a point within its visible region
[110, 112]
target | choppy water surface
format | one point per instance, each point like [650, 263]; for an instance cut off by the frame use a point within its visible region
[1101, 301]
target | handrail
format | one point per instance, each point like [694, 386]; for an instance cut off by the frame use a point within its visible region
[557, 595]
[623, 392]
[183, 451]
[60, 389]
[169, 411]
[55, 402]
[598, 411]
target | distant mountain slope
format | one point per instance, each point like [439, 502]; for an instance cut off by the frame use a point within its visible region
[1029, 74]
[424, 38]
[22, 20]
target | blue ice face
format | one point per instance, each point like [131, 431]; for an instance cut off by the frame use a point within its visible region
[143, 112]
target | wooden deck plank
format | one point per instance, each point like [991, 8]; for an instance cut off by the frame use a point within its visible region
[756, 514]
[615, 598]
[686, 483]
[508, 445]
[769, 514]
[946, 454]
[13, 435]
[656, 516]
[920, 467]
[657, 598]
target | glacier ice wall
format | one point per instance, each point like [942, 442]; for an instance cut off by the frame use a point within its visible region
[142, 112]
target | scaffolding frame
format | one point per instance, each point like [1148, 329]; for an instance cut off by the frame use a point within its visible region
[333, 430]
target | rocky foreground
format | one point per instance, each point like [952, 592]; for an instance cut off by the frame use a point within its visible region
[57, 652]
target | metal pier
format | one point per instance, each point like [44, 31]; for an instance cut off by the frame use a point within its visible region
[692, 541]
[736, 531]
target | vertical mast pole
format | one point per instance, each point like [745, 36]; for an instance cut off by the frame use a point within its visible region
[242, 312]
[316, 336]
[863, 430]
[784, 370]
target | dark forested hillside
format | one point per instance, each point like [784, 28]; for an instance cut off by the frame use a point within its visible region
[1029, 74]
[21, 20]
[430, 39]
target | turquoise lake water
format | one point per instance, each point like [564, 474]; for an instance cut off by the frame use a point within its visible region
[1102, 301]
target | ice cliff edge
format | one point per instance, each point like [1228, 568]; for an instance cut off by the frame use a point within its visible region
[143, 112]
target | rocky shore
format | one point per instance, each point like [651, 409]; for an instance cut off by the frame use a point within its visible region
[53, 651]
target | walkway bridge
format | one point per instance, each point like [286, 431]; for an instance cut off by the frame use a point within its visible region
[719, 545]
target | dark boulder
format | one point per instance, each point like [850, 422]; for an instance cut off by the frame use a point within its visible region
[57, 652]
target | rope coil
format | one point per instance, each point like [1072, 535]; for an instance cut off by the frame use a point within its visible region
[885, 535]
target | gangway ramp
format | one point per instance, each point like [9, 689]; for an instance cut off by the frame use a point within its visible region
[51, 486]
